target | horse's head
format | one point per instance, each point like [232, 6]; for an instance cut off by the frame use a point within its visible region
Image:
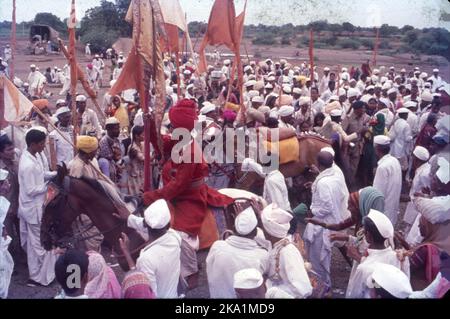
[58, 211]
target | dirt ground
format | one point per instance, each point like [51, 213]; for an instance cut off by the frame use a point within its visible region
[340, 270]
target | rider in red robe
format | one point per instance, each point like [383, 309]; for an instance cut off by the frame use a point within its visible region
[184, 185]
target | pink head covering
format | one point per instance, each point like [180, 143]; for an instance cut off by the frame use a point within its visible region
[136, 285]
[229, 115]
[102, 282]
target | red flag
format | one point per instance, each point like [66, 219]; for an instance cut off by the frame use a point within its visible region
[311, 55]
[221, 30]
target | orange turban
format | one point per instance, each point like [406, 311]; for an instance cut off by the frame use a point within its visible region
[41, 104]
[183, 114]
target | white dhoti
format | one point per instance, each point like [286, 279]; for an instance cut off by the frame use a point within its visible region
[41, 263]
[318, 250]
[189, 247]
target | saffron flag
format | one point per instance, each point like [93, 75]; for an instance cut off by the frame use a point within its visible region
[16, 105]
[221, 30]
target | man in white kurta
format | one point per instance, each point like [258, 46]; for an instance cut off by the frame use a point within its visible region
[287, 275]
[33, 176]
[388, 177]
[36, 80]
[376, 253]
[329, 205]
[6, 260]
[401, 137]
[275, 189]
[98, 63]
[421, 180]
[237, 252]
[159, 260]
[63, 149]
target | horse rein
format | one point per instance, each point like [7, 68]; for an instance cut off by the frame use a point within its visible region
[78, 237]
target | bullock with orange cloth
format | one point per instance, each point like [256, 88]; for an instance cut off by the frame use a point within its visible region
[184, 188]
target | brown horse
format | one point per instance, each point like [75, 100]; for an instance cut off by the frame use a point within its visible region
[309, 145]
[67, 198]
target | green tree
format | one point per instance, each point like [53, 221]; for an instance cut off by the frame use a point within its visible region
[50, 20]
[320, 25]
[347, 26]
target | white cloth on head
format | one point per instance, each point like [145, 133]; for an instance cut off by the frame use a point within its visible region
[382, 222]
[249, 165]
[436, 210]
[275, 190]
[207, 107]
[80, 98]
[286, 110]
[3, 175]
[249, 278]
[388, 180]
[421, 153]
[157, 215]
[391, 279]
[381, 140]
[443, 172]
[276, 221]
[246, 221]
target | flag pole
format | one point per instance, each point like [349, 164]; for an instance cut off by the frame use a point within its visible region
[311, 63]
[13, 41]
[375, 51]
[73, 72]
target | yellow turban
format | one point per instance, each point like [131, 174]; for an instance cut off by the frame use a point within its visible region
[41, 104]
[87, 144]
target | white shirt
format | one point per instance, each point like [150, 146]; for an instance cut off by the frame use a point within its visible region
[33, 174]
[160, 261]
[437, 82]
[413, 122]
[401, 136]
[357, 285]
[99, 64]
[275, 190]
[116, 73]
[318, 106]
[35, 79]
[90, 123]
[388, 180]
[323, 85]
[64, 150]
[294, 279]
[330, 197]
[421, 180]
[226, 257]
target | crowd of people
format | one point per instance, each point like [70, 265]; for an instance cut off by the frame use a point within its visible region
[388, 143]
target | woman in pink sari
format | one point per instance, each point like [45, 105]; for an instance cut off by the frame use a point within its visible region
[102, 282]
[136, 285]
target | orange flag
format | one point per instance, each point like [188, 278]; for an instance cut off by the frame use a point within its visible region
[221, 30]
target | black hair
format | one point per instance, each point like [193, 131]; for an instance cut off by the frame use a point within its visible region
[137, 130]
[385, 149]
[272, 122]
[325, 159]
[370, 227]
[384, 294]
[431, 118]
[315, 89]
[35, 136]
[358, 105]
[319, 116]
[62, 270]
[4, 142]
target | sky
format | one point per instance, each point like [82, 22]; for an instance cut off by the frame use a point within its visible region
[365, 13]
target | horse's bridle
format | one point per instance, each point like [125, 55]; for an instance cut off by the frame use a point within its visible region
[70, 241]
